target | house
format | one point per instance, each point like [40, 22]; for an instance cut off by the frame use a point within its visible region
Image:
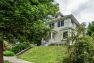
[62, 28]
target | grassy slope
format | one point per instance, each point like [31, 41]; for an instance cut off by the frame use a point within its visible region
[6, 61]
[44, 54]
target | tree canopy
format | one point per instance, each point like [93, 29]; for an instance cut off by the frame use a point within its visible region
[90, 28]
[25, 18]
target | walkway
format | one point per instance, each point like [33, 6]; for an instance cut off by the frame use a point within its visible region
[15, 60]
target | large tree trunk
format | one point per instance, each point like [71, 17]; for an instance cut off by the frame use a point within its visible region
[1, 51]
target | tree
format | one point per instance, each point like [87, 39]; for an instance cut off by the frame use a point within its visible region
[90, 28]
[23, 18]
[82, 51]
[77, 33]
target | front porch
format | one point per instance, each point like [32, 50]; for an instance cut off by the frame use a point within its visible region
[58, 37]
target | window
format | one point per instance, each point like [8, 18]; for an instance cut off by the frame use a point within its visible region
[61, 23]
[65, 35]
[58, 24]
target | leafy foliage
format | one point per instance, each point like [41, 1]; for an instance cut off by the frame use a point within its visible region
[8, 53]
[6, 45]
[90, 28]
[19, 47]
[82, 51]
[24, 18]
[77, 33]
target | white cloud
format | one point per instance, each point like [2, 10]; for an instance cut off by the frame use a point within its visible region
[74, 4]
[86, 16]
[83, 10]
[67, 6]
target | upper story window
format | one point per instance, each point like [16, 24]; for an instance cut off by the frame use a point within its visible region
[61, 23]
[58, 24]
[52, 24]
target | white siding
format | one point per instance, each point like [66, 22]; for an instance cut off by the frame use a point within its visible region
[58, 35]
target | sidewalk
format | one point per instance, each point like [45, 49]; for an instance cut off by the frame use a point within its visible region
[15, 60]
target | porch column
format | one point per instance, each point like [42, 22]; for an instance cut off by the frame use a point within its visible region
[51, 35]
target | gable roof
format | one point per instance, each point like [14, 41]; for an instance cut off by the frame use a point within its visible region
[66, 17]
[59, 14]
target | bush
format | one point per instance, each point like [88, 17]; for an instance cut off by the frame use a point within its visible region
[8, 53]
[7, 45]
[82, 52]
[19, 47]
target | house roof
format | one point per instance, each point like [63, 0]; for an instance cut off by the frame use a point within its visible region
[66, 17]
[59, 14]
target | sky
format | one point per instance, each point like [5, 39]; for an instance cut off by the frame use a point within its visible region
[83, 10]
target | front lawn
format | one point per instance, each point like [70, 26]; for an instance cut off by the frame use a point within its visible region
[7, 61]
[45, 54]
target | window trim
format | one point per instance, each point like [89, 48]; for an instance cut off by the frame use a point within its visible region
[60, 23]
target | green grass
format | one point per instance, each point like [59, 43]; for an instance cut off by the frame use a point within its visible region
[45, 54]
[6, 61]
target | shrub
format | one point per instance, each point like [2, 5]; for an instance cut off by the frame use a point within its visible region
[8, 53]
[82, 52]
[19, 47]
[7, 45]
